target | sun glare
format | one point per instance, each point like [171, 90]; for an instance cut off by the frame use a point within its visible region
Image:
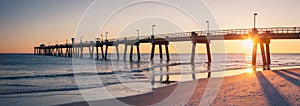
[249, 70]
[248, 44]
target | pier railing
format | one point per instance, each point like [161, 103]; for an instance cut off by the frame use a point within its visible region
[280, 30]
[273, 30]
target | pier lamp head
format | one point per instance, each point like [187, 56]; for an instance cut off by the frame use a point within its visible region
[98, 39]
[255, 14]
[153, 30]
[106, 35]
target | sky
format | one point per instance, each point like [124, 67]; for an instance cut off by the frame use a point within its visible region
[28, 23]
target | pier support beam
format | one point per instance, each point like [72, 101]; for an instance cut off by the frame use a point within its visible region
[102, 52]
[61, 52]
[105, 57]
[167, 52]
[66, 52]
[268, 56]
[152, 52]
[193, 53]
[91, 50]
[81, 50]
[194, 43]
[125, 49]
[263, 55]
[131, 50]
[97, 52]
[160, 42]
[153, 47]
[138, 52]
[70, 50]
[160, 52]
[208, 52]
[125, 52]
[117, 50]
[254, 54]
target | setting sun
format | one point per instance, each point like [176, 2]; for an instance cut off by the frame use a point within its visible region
[248, 45]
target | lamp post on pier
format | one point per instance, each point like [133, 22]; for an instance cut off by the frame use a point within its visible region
[153, 29]
[138, 33]
[255, 14]
[101, 37]
[207, 27]
[106, 35]
[72, 39]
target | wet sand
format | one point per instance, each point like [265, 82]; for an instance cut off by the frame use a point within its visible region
[271, 87]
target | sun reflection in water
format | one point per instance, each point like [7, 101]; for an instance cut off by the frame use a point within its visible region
[249, 70]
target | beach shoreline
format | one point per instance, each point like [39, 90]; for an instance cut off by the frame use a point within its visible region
[270, 87]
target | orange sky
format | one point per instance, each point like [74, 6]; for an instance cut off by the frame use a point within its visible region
[27, 24]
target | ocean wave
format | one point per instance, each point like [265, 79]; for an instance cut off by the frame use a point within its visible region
[71, 74]
[54, 75]
[44, 90]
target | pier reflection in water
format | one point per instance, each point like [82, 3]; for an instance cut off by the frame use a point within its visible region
[166, 73]
[144, 76]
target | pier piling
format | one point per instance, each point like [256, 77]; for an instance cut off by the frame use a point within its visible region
[263, 55]
[131, 50]
[138, 52]
[97, 51]
[254, 54]
[160, 52]
[195, 39]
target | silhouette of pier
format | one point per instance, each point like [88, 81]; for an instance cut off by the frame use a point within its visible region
[260, 36]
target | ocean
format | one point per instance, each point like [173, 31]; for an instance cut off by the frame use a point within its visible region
[25, 79]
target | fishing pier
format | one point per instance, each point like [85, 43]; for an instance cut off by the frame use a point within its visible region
[260, 36]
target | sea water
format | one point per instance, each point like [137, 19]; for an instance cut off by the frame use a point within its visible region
[27, 79]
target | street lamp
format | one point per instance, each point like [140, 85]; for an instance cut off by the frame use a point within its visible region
[102, 37]
[153, 29]
[255, 14]
[106, 35]
[207, 27]
[72, 39]
[138, 33]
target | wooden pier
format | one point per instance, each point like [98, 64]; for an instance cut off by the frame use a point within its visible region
[260, 36]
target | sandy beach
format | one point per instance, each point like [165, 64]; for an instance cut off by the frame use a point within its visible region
[271, 87]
